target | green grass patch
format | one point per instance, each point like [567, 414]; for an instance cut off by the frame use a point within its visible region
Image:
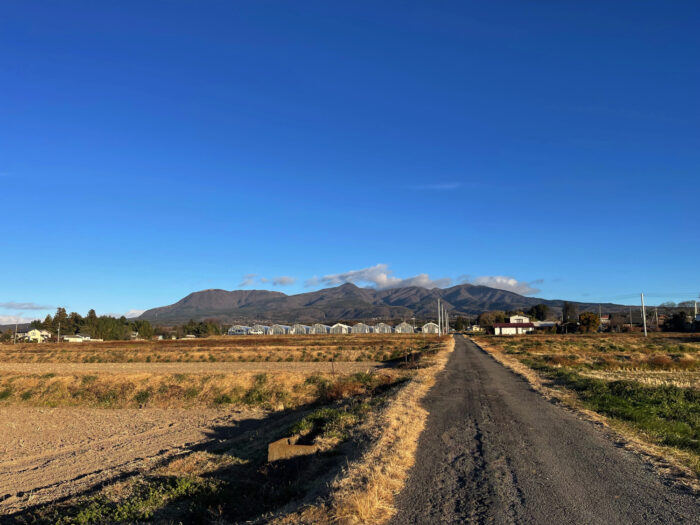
[669, 414]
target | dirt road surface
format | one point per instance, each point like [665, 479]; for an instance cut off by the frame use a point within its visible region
[50, 453]
[495, 451]
[340, 367]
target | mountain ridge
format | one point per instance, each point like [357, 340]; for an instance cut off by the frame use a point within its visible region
[347, 302]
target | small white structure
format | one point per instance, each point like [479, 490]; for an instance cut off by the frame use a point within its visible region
[519, 319]
[238, 329]
[361, 328]
[279, 329]
[430, 328]
[34, 335]
[340, 328]
[300, 329]
[319, 328]
[513, 328]
[382, 328]
[544, 324]
[77, 338]
[258, 329]
[403, 328]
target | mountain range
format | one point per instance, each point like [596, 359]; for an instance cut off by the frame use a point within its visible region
[348, 302]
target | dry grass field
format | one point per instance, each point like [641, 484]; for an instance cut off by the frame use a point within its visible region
[178, 430]
[646, 387]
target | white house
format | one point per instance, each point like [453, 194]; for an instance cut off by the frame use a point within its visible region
[430, 328]
[513, 328]
[340, 328]
[519, 319]
[75, 338]
[361, 328]
[403, 328]
[35, 335]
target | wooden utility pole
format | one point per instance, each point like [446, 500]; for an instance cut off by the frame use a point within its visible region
[439, 319]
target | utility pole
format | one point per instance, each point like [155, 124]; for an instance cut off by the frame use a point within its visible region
[14, 340]
[656, 314]
[58, 338]
[439, 319]
[644, 316]
[630, 318]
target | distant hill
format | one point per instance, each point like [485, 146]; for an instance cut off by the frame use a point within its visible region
[347, 302]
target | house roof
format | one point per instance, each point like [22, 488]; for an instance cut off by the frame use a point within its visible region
[513, 325]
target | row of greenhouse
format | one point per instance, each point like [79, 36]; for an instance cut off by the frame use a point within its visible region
[338, 328]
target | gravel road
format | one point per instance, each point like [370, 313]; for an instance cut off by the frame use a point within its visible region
[495, 451]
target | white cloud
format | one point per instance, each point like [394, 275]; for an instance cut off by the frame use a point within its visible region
[15, 319]
[510, 284]
[283, 280]
[12, 305]
[379, 276]
[248, 280]
[133, 313]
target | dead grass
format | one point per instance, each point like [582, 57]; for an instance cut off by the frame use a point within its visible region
[275, 391]
[366, 490]
[350, 347]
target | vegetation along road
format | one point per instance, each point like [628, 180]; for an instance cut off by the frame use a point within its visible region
[495, 451]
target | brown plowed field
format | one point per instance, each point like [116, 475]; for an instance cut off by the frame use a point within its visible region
[50, 453]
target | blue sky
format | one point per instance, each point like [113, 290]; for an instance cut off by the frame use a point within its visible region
[152, 149]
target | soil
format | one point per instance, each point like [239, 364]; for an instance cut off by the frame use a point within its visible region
[47, 454]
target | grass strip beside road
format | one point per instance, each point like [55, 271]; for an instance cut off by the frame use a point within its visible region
[664, 416]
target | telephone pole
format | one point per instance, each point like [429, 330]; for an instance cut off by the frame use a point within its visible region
[58, 338]
[630, 318]
[644, 316]
[439, 319]
[14, 340]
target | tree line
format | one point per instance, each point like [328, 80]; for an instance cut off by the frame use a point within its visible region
[111, 328]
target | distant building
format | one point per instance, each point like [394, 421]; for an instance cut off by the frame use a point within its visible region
[319, 328]
[258, 329]
[361, 328]
[238, 329]
[340, 328]
[475, 328]
[512, 328]
[382, 328]
[403, 328]
[300, 329]
[519, 319]
[279, 329]
[544, 324]
[35, 336]
[430, 328]
[75, 338]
